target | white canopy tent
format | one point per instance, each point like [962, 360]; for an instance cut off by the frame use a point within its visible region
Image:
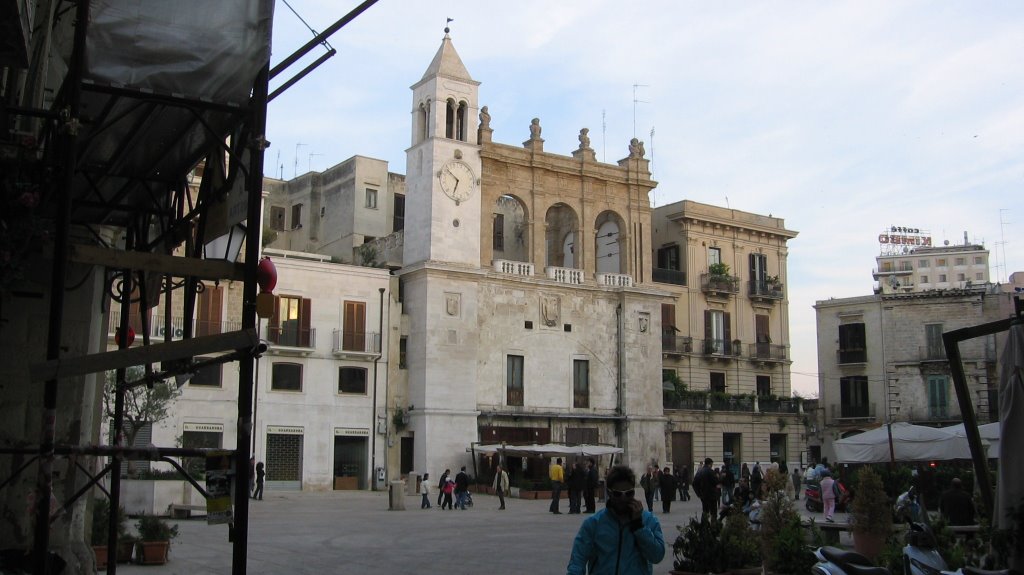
[548, 450]
[989, 433]
[910, 443]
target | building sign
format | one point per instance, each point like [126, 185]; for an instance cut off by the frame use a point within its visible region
[284, 430]
[899, 239]
[209, 427]
[352, 431]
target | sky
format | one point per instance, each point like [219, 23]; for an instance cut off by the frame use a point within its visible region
[843, 117]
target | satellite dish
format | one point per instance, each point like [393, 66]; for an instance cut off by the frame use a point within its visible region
[945, 243]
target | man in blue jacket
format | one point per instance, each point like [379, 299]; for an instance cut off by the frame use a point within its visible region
[622, 539]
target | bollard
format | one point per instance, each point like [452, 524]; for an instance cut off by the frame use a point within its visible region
[396, 496]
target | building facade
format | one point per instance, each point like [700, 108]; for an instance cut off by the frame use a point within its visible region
[881, 357]
[725, 335]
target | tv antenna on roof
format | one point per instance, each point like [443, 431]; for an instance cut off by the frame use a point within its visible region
[635, 102]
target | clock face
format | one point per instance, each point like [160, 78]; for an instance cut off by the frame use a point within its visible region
[457, 181]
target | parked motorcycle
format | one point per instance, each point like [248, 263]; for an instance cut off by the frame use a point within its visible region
[835, 561]
[812, 499]
[920, 556]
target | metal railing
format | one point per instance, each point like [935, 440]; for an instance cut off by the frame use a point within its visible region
[740, 404]
[766, 351]
[765, 290]
[932, 353]
[719, 283]
[669, 276]
[291, 336]
[768, 405]
[846, 411]
[676, 343]
[157, 329]
[851, 355]
[719, 347]
[355, 341]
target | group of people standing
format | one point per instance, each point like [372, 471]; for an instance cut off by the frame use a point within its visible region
[447, 486]
[663, 484]
[581, 481]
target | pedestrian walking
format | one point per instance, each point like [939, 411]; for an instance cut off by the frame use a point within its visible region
[797, 480]
[500, 485]
[425, 491]
[728, 484]
[588, 491]
[461, 488]
[705, 485]
[261, 474]
[252, 476]
[557, 475]
[683, 479]
[647, 483]
[447, 489]
[622, 538]
[668, 490]
[440, 487]
[656, 482]
[756, 479]
[828, 496]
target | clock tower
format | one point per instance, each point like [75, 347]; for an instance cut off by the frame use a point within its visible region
[441, 264]
[443, 165]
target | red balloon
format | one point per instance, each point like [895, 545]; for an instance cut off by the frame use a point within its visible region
[266, 275]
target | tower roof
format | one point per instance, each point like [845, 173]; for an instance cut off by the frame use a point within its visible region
[447, 63]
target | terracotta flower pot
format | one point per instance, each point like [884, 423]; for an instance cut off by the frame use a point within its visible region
[100, 551]
[152, 552]
[868, 544]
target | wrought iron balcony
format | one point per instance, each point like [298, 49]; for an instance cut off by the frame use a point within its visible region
[157, 329]
[357, 342]
[676, 344]
[291, 336]
[743, 404]
[931, 353]
[864, 412]
[720, 348]
[719, 284]
[769, 405]
[764, 290]
[851, 355]
[668, 276]
[766, 352]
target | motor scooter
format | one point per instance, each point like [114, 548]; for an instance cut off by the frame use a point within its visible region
[812, 499]
[836, 561]
[920, 556]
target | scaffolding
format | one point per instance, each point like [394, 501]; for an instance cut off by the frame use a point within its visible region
[151, 92]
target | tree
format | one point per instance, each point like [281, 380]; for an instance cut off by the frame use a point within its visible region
[142, 404]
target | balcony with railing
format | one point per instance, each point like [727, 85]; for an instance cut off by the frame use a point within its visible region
[291, 336]
[851, 355]
[848, 412]
[777, 405]
[669, 276]
[691, 402]
[157, 329]
[614, 280]
[720, 348]
[738, 403]
[513, 268]
[764, 290]
[564, 275]
[766, 352]
[717, 284]
[931, 353]
[355, 344]
[514, 396]
[676, 344]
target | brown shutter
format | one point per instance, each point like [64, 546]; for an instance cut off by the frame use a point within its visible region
[728, 328]
[668, 317]
[707, 325]
[761, 327]
[305, 312]
[274, 328]
[354, 328]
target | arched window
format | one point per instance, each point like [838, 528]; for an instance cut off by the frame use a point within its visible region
[561, 230]
[461, 122]
[609, 245]
[449, 119]
[424, 127]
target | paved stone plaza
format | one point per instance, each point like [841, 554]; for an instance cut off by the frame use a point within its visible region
[342, 532]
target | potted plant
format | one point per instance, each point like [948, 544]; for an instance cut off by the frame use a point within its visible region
[781, 530]
[154, 539]
[719, 270]
[100, 527]
[870, 514]
[744, 554]
[699, 548]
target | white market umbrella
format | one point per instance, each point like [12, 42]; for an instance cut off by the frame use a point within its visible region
[988, 432]
[909, 442]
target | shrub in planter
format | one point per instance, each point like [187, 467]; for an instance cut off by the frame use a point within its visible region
[154, 539]
[870, 514]
[699, 547]
[100, 527]
[740, 540]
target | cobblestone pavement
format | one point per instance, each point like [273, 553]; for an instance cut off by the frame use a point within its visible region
[352, 532]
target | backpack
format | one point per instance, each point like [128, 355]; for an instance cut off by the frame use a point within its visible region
[837, 490]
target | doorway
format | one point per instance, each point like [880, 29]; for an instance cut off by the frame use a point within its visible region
[350, 470]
